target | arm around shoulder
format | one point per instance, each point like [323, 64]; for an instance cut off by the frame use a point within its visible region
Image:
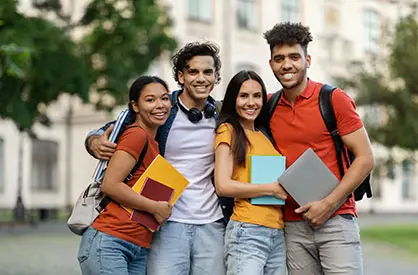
[97, 143]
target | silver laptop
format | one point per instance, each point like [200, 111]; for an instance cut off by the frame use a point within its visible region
[308, 179]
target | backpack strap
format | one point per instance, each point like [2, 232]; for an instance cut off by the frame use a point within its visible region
[272, 103]
[138, 164]
[328, 115]
[106, 200]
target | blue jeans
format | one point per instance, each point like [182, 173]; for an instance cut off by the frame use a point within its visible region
[252, 249]
[187, 249]
[102, 254]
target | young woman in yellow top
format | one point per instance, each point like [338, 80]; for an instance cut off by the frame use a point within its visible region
[254, 239]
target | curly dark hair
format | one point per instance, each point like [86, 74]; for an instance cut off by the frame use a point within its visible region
[190, 50]
[289, 33]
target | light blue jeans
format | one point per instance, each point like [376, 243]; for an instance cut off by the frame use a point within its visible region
[252, 249]
[102, 254]
[187, 249]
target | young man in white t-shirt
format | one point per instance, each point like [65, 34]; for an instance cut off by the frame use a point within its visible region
[191, 242]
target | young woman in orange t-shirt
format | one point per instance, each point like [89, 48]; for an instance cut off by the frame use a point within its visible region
[114, 244]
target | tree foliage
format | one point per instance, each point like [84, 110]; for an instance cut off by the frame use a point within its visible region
[125, 38]
[53, 67]
[121, 40]
[14, 60]
[394, 88]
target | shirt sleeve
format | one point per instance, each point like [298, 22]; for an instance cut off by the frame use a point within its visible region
[348, 120]
[223, 135]
[132, 141]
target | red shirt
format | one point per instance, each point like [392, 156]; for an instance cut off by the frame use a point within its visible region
[115, 220]
[298, 127]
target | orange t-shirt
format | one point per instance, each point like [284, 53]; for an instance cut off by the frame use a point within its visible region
[115, 220]
[296, 128]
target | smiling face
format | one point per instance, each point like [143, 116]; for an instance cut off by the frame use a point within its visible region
[153, 106]
[289, 64]
[249, 103]
[198, 80]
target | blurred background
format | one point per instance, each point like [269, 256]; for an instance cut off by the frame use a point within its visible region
[66, 66]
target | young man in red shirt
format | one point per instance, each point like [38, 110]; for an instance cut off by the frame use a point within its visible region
[318, 241]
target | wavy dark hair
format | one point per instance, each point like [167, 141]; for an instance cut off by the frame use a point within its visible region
[190, 50]
[228, 114]
[289, 33]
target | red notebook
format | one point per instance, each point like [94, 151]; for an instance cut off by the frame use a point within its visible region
[156, 191]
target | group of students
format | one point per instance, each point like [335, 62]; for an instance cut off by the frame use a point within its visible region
[198, 235]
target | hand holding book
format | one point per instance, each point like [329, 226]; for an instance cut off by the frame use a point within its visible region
[162, 211]
[278, 191]
[162, 183]
[316, 213]
[161, 195]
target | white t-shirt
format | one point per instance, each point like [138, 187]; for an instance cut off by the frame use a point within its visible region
[190, 149]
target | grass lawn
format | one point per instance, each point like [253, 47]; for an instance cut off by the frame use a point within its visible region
[402, 236]
[6, 215]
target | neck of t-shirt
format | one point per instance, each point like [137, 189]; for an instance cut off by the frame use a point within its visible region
[189, 102]
[293, 93]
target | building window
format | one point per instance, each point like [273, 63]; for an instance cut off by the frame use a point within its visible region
[407, 180]
[2, 168]
[290, 11]
[332, 18]
[200, 10]
[44, 165]
[372, 31]
[247, 14]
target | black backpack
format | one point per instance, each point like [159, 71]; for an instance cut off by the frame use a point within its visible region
[327, 113]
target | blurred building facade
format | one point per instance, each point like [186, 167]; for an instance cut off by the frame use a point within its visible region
[52, 169]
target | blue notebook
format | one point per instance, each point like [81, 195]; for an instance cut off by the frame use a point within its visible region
[266, 169]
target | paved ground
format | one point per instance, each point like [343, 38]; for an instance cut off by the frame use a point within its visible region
[51, 249]
[387, 219]
[45, 250]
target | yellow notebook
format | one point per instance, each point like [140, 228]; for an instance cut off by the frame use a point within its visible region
[162, 171]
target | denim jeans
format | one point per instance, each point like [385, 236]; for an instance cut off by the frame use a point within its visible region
[334, 248]
[102, 254]
[252, 249]
[187, 249]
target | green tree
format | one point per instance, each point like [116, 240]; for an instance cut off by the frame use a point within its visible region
[53, 67]
[393, 87]
[14, 60]
[124, 41]
[124, 38]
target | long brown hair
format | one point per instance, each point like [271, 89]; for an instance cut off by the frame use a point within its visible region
[228, 114]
